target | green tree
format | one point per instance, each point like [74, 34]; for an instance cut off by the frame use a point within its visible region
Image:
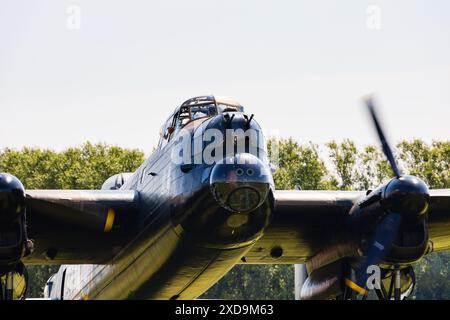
[344, 157]
[255, 282]
[374, 169]
[299, 166]
[429, 162]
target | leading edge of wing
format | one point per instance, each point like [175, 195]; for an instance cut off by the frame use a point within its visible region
[89, 209]
[78, 226]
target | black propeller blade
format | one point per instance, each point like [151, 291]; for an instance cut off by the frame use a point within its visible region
[386, 148]
[384, 236]
[387, 229]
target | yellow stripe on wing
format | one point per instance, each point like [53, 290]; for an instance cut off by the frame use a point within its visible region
[109, 220]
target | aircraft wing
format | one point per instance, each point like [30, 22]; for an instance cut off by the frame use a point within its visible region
[439, 219]
[304, 222]
[78, 226]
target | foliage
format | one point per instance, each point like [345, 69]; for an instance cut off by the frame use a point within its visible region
[431, 163]
[255, 282]
[300, 167]
[85, 167]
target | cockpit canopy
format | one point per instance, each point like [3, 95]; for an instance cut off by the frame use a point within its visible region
[205, 106]
[197, 108]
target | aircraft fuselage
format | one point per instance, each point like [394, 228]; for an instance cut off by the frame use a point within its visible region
[195, 221]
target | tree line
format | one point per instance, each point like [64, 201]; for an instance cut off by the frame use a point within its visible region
[334, 166]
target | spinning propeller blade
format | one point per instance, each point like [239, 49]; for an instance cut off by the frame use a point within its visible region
[386, 148]
[384, 236]
[387, 229]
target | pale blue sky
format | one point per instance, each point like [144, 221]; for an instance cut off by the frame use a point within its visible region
[299, 66]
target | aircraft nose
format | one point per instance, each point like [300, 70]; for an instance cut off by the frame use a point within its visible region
[240, 183]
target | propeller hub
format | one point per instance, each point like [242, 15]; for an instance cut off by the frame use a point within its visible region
[407, 195]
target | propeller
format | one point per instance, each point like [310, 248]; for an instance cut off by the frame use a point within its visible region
[405, 198]
[383, 239]
[385, 145]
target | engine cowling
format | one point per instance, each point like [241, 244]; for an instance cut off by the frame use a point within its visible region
[14, 243]
[399, 195]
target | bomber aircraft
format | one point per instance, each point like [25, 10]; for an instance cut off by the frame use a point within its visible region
[205, 201]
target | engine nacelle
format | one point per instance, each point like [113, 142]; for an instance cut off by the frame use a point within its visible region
[411, 241]
[12, 198]
[14, 243]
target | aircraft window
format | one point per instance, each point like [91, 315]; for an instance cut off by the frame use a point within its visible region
[188, 113]
[227, 108]
[166, 131]
[198, 112]
[183, 117]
